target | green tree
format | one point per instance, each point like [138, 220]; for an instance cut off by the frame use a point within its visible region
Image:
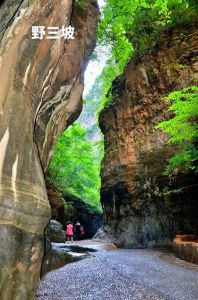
[183, 129]
[131, 28]
[75, 167]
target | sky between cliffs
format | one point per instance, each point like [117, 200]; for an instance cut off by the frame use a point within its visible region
[94, 68]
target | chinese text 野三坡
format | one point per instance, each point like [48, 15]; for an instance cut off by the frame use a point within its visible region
[52, 33]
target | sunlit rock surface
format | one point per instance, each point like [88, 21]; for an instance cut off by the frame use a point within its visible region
[136, 211]
[41, 84]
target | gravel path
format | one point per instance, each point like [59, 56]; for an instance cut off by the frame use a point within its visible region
[122, 275]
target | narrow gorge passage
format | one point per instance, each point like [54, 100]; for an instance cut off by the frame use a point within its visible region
[122, 275]
[132, 183]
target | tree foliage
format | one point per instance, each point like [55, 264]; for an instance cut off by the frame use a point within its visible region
[183, 128]
[131, 27]
[75, 166]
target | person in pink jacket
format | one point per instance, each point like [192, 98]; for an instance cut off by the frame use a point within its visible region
[69, 231]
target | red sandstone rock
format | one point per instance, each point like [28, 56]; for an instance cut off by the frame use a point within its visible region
[137, 212]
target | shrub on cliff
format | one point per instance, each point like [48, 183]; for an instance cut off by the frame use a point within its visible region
[183, 129]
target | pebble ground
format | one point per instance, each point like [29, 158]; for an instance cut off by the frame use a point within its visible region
[122, 275]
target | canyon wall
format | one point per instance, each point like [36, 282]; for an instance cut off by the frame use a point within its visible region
[137, 211]
[41, 85]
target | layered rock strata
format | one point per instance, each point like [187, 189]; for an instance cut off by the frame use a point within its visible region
[186, 248]
[41, 84]
[137, 211]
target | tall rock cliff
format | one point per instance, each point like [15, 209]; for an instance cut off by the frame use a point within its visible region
[137, 212]
[41, 84]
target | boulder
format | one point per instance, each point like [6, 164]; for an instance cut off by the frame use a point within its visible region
[55, 232]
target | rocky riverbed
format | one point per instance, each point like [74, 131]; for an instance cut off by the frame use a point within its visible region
[122, 274]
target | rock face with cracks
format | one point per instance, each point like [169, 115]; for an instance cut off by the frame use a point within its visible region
[137, 211]
[41, 84]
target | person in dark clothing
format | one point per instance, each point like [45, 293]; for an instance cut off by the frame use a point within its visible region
[77, 230]
[82, 232]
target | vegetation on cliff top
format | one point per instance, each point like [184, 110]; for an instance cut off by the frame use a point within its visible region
[131, 28]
